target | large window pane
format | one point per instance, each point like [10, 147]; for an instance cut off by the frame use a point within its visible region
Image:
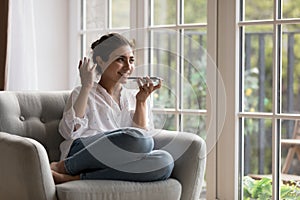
[164, 65]
[165, 121]
[165, 97]
[258, 69]
[194, 90]
[95, 14]
[258, 10]
[194, 80]
[290, 158]
[194, 124]
[291, 69]
[195, 11]
[290, 135]
[291, 8]
[257, 158]
[120, 13]
[164, 12]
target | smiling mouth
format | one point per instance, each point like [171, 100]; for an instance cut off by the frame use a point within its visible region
[123, 75]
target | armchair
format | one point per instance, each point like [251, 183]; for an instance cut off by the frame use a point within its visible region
[29, 140]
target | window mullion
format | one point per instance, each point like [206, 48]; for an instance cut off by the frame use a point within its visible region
[178, 91]
[179, 12]
[83, 15]
[276, 175]
[109, 15]
[83, 27]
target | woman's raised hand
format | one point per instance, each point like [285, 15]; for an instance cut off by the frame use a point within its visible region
[146, 88]
[86, 71]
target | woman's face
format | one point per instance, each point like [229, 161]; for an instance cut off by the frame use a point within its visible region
[120, 64]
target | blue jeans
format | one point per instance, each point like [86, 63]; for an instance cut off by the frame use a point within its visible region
[122, 154]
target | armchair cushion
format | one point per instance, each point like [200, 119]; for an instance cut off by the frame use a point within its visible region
[119, 190]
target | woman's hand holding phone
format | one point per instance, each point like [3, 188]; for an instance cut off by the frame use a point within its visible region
[147, 86]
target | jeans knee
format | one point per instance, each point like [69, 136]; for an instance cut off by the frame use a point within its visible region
[170, 165]
[166, 162]
[132, 140]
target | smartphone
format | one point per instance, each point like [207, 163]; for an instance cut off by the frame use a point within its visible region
[154, 79]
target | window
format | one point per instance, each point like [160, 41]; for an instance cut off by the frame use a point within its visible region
[178, 40]
[254, 45]
[171, 42]
[269, 96]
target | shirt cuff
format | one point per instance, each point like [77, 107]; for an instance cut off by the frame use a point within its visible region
[72, 120]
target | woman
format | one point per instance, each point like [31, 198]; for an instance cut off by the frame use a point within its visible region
[105, 125]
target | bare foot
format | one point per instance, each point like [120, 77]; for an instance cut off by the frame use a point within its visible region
[58, 167]
[62, 178]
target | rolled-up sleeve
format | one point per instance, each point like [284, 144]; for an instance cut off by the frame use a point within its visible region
[69, 120]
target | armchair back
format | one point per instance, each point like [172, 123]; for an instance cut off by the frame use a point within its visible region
[35, 115]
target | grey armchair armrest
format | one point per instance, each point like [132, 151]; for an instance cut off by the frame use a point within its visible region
[24, 170]
[189, 153]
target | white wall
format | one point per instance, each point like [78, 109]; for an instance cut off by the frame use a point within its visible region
[52, 32]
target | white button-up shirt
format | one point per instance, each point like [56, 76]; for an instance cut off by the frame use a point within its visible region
[102, 114]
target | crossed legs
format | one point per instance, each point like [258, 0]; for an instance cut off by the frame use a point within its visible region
[124, 154]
